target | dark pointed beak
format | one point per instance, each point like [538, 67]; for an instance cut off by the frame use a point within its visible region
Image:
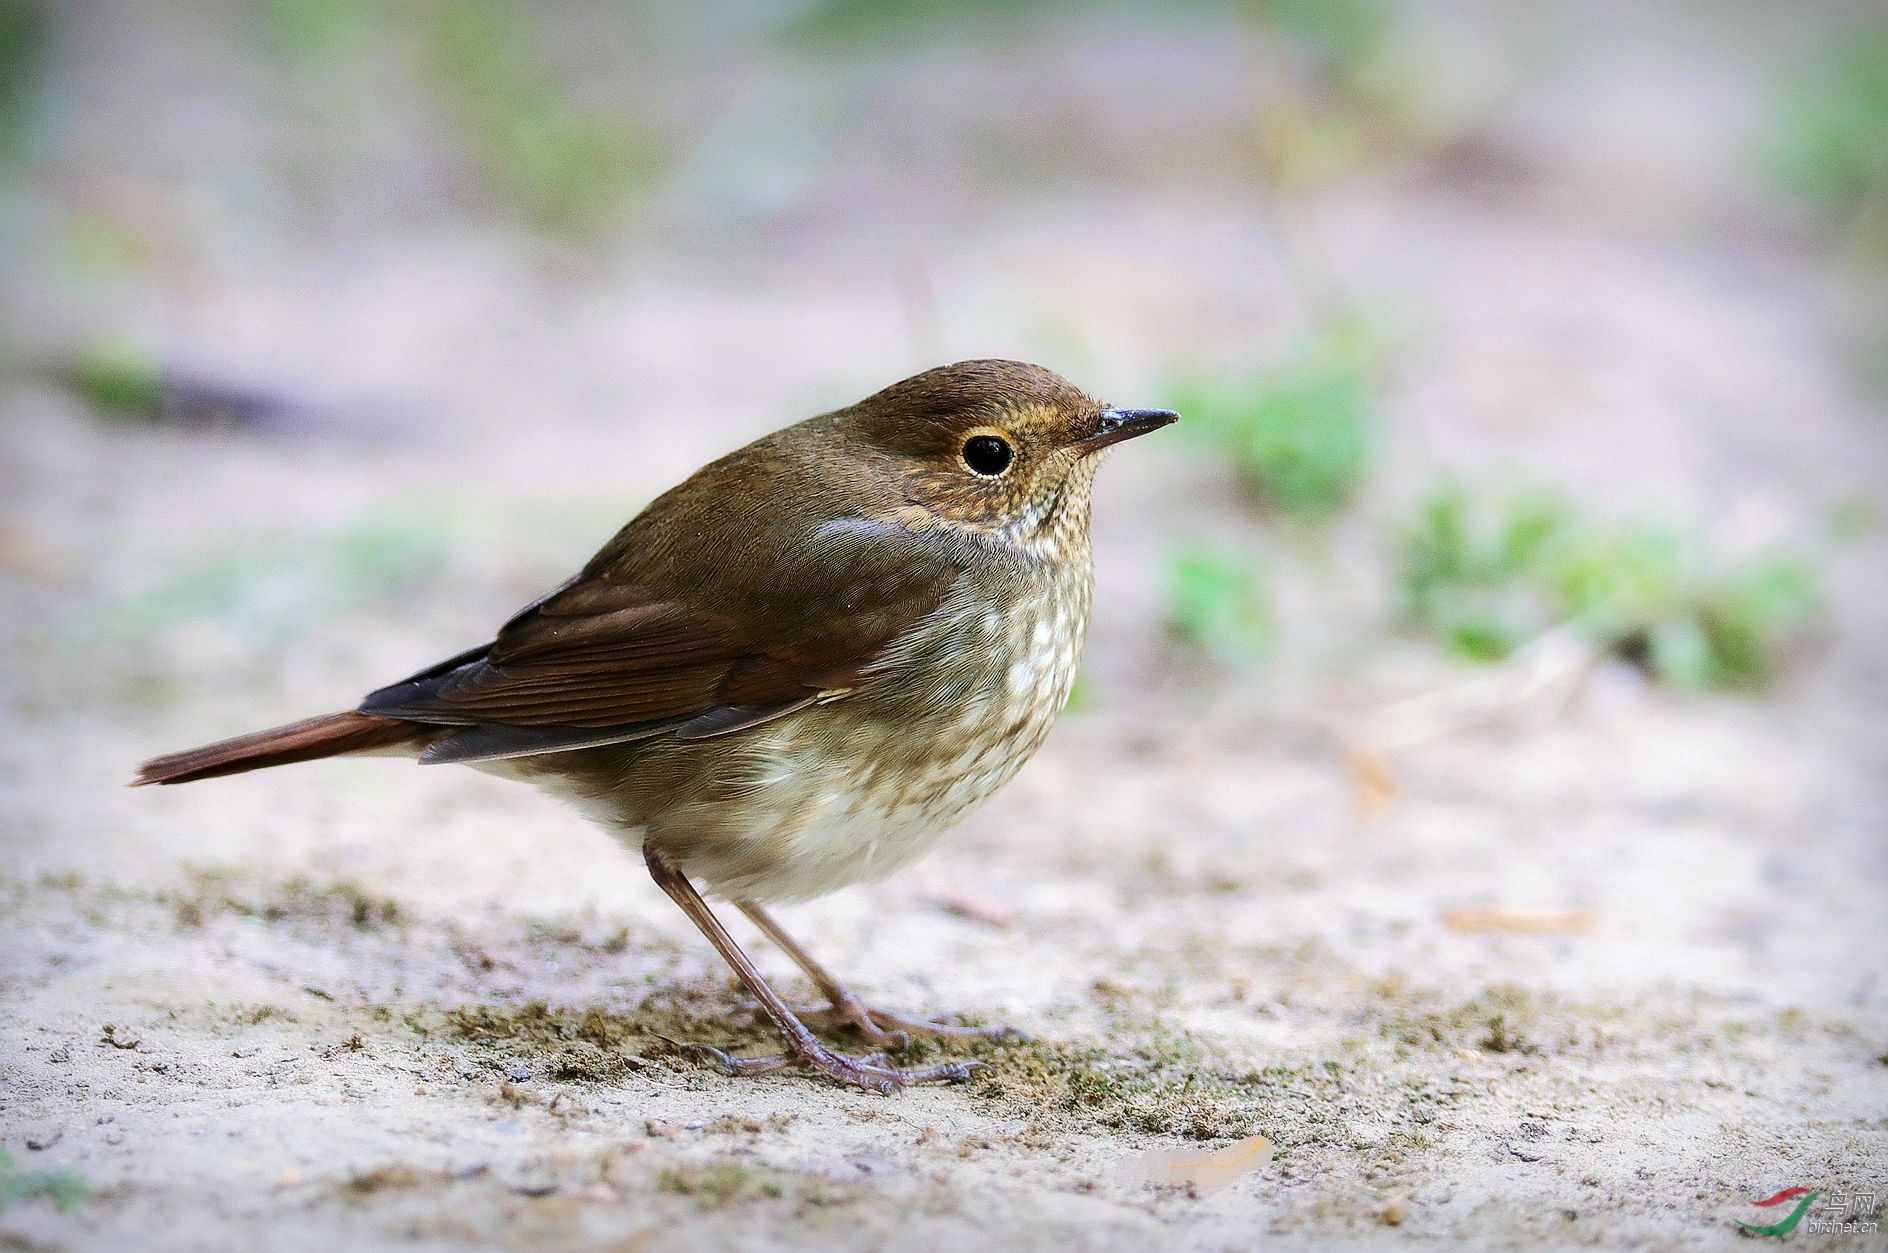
[1114, 425]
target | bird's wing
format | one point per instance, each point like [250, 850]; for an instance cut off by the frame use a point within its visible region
[605, 659]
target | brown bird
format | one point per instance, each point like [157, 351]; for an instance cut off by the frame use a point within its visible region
[794, 671]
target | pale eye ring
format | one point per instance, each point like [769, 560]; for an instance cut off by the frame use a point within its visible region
[988, 455]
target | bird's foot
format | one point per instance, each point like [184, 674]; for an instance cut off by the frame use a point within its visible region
[888, 1030]
[872, 1071]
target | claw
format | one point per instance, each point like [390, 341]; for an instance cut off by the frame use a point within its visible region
[894, 1032]
[957, 1072]
[872, 1071]
[715, 1055]
[728, 1064]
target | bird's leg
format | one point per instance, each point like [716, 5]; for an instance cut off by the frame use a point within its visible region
[879, 1027]
[804, 1050]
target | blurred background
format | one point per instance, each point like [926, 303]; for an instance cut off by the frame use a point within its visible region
[1515, 573]
[1487, 319]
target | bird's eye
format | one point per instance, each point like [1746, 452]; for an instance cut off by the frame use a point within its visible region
[988, 455]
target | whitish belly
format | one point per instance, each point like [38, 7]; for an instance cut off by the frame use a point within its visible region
[852, 791]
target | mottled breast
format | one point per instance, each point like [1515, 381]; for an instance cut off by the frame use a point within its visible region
[853, 789]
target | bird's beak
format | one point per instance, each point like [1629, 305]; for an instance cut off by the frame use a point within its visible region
[1114, 425]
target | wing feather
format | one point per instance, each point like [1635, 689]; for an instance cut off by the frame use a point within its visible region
[605, 659]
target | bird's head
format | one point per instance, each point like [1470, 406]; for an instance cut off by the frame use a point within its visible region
[1000, 448]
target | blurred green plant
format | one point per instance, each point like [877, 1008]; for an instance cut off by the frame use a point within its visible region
[118, 378]
[275, 589]
[1826, 144]
[567, 164]
[315, 28]
[570, 167]
[1828, 134]
[25, 35]
[1219, 602]
[270, 589]
[1342, 43]
[1351, 84]
[121, 379]
[65, 1189]
[866, 21]
[1300, 432]
[1469, 578]
[1345, 41]
[1853, 518]
[1488, 576]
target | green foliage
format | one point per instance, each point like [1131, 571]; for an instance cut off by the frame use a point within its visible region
[1300, 432]
[1345, 39]
[312, 28]
[1152, 1080]
[274, 589]
[1352, 85]
[118, 378]
[569, 167]
[1854, 518]
[1828, 139]
[1340, 41]
[1468, 579]
[64, 1188]
[717, 1183]
[886, 21]
[25, 34]
[1487, 577]
[1220, 602]
[567, 164]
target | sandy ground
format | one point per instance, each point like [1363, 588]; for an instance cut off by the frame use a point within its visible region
[358, 1004]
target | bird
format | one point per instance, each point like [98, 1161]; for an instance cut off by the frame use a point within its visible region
[792, 672]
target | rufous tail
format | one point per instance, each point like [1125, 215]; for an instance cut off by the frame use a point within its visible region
[326, 736]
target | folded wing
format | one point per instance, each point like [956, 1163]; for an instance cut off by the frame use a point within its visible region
[606, 659]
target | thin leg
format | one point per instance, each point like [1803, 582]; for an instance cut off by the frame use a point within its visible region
[879, 1027]
[804, 1050]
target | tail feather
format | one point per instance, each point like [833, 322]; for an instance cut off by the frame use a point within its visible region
[326, 736]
